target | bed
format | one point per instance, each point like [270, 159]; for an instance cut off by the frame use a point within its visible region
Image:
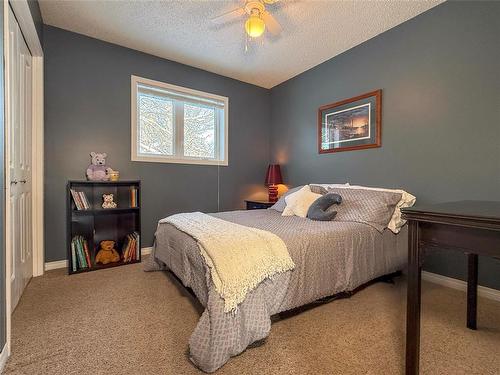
[330, 257]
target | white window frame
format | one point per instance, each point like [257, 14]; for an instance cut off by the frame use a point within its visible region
[221, 155]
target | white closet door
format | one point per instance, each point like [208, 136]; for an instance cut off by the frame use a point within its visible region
[20, 125]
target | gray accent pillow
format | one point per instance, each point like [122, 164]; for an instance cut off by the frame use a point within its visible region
[319, 210]
[371, 207]
[281, 204]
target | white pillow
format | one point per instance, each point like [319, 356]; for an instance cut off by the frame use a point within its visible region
[326, 186]
[298, 203]
[407, 200]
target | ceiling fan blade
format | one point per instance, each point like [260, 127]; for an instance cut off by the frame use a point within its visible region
[271, 24]
[229, 16]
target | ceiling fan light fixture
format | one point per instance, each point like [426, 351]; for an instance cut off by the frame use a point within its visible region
[255, 26]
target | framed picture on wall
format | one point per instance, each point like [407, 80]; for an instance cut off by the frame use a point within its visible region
[351, 124]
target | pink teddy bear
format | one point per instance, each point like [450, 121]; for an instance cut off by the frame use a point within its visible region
[97, 171]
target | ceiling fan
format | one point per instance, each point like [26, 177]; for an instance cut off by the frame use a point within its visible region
[258, 18]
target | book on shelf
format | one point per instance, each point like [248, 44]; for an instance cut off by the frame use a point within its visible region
[80, 199]
[74, 265]
[130, 249]
[76, 199]
[85, 201]
[80, 254]
[87, 253]
[133, 196]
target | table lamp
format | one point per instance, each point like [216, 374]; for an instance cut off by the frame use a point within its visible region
[273, 178]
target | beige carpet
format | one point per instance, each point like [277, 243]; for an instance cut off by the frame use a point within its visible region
[126, 321]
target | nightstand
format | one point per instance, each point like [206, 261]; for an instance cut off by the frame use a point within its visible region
[258, 204]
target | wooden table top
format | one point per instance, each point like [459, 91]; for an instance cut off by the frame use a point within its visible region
[484, 213]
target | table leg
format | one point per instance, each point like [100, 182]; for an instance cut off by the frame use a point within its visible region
[413, 300]
[472, 291]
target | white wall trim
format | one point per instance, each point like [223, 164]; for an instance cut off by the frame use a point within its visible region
[23, 15]
[49, 266]
[8, 253]
[3, 357]
[146, 250]
[37, 168]
[449, 282]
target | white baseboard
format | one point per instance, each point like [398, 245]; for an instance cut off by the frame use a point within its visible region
[4, 355]
[64, 263]
[449, 282]
[146, 250]
[55, 265]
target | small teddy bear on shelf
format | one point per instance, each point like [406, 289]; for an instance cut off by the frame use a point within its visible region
[107, 253]
[97, 170]
[108, 201]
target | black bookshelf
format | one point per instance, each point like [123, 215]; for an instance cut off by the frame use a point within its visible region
[96, 224]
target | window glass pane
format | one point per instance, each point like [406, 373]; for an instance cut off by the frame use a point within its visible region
[156, 125]
[199, 131]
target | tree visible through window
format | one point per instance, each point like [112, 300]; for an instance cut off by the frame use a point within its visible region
[156, 126]
[199, 131]
[174, 124]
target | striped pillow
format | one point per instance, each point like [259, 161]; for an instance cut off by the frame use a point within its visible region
[316, 189]
[371, 207]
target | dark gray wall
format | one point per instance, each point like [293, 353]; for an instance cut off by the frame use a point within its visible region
[439, 75]
[87, 108]
[440, 114]
[2, 188]
[37, 17]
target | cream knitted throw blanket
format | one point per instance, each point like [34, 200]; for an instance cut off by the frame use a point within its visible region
[239, 257]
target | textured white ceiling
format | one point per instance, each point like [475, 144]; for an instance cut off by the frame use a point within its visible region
[181, 30]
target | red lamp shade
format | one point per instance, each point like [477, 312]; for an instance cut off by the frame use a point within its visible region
[273, 175]
[273, 178]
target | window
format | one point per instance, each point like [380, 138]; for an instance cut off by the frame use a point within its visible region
[173, 124]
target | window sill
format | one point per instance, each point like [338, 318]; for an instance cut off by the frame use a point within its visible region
[155, 159]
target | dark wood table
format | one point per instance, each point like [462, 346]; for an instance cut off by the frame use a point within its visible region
[472, 227]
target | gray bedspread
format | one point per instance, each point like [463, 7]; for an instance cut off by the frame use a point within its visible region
[330, 257]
